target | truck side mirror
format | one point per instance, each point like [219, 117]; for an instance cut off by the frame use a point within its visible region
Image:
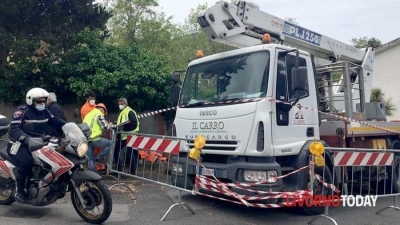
[299, 79]
[174, 92]
[76, 113]
[176, 77]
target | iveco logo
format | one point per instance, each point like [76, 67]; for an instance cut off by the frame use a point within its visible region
[208, 113]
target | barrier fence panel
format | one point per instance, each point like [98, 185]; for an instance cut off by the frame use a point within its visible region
[363, 175]
[150, 158]
[233, 192]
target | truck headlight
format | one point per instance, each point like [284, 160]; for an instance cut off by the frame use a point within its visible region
[258, 176]
[82, 149]
[177, 168]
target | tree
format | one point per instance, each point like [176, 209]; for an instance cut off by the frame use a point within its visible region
[377, 95]
[127, 24]
[191, 38]
[365, 42]
[116, 71]
[29, 22]
[34, 36]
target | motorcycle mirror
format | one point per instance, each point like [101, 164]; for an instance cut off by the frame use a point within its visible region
[76, 113]
[28, 127]
[65, 143]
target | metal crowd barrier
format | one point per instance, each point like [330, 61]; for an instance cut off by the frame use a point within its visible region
[149, 158]
[354, 172]
[365, 172]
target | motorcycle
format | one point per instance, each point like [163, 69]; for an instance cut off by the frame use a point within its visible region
[58, 169]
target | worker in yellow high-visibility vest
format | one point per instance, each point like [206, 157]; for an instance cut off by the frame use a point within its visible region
[128, 123]
[97, 123]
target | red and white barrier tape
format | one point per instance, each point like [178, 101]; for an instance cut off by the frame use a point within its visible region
[205, 103]
[337, 116]
[330, 186]
[225, 189]
[155, 112]
[255, 205]
[271, 100]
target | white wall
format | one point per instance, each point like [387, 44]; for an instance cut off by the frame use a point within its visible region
[387, 76]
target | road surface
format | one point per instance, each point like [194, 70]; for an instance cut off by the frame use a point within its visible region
[149, 203]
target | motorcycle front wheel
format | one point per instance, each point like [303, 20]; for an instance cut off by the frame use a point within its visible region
[6, 194]
[97, 199]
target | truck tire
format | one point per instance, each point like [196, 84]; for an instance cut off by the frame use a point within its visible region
[395, 171]
[319, 189]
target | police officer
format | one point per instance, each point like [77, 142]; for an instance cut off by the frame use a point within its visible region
[34, 112]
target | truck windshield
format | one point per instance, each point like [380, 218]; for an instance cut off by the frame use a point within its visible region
[239, 77]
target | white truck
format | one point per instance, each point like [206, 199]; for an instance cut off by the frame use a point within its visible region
[230, 98]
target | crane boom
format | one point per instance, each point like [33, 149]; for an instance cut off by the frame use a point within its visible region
[243, 25]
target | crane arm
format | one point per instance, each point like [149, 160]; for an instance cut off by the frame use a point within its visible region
[243, 25]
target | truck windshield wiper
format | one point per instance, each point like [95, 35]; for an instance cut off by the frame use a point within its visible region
[231, 99]
[196, 103]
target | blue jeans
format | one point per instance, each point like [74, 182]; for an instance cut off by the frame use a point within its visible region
[102, 143]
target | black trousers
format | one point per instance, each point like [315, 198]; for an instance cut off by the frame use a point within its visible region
[129, 160]
[25, 163]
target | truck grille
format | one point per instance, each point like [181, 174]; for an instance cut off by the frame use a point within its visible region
[218, 145]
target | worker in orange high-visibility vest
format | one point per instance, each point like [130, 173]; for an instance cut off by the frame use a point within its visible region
[89, 105]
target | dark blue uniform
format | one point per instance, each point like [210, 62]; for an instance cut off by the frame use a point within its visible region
[40, 120]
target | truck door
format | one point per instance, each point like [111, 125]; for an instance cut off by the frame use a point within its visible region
[292, 126]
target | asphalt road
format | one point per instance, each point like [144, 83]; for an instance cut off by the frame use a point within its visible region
[149, 203]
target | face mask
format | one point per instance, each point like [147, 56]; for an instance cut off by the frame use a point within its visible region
[92, 102]
[121, 107]
[40, 107]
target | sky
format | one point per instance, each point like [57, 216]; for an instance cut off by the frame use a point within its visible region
[337, 19]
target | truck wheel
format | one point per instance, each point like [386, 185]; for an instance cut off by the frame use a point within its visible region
[319, 189]
[396, 174]
[395, 171]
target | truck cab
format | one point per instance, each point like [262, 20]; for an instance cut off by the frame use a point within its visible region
[227, 98]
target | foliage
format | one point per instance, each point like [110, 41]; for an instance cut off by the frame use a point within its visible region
[114, 72]
[156, 33]
[50, 21]
[377, 95]
[365, 42]
[36, 39]
[129, 18]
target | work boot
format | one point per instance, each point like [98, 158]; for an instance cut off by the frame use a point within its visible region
[103, 160]
[20, 195]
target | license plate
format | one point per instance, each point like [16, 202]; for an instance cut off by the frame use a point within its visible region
[207, 172]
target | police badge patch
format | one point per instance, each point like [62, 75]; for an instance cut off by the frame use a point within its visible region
[17, 114]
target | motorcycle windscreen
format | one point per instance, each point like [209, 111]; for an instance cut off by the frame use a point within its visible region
[73, 133]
